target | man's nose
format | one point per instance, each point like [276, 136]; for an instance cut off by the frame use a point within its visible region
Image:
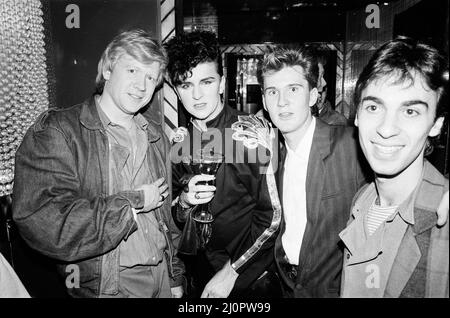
[282, 99]
[197, 92]
[324, 83]
[140, 83]
[387, 126]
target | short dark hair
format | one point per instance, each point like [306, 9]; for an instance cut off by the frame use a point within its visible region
[281, 57]
[402, 57]
[187, 50]
[321, 57]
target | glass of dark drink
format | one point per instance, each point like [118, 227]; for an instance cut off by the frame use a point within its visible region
[206, 162]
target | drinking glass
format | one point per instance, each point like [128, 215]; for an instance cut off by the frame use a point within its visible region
[207, 162]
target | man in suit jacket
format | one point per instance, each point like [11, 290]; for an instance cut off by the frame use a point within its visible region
[326, 113]
[393, 246]
[322, 109]
[321, 170]
[320, 173]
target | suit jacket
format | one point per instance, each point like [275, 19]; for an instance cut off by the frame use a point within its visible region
[334, 175]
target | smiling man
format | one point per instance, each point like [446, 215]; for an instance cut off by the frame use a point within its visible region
[237, 257]
[393, 245]
[321, 170]
[99, 202]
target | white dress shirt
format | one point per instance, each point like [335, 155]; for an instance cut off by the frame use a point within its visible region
[294, 195]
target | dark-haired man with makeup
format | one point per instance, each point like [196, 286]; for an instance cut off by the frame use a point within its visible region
[237, 260]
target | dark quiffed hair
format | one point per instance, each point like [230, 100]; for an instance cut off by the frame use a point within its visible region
[401, 58]
[187, 50]
[281, 57]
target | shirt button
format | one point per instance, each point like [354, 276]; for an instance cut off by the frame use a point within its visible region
[154, 258]
[348, 256]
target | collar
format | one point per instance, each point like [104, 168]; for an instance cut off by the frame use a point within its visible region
[431, 187]
[325, 108]
[103, 117]
[92, 117]
[89, 116]
[426, 196]
[138, 119]
[405, 209]
[418, 210]
[323, 138]
[304, 146]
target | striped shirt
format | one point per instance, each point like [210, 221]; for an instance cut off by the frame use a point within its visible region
[377, 215]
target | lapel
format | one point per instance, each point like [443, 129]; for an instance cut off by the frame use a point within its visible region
[155, 154]
[426, 202]
[280, 174]
[278, 249]
[361, 247]
[315, 176]
[315, 179]
[405, 263]
[280, 179]
[159, 156]
[354, 235]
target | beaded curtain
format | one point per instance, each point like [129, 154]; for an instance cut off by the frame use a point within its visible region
[23, 78]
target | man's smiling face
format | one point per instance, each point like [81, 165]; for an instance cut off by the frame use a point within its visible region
[131, 84]
[394, 121]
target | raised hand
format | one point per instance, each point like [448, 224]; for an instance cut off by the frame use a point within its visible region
[197, 191]
[154, 194]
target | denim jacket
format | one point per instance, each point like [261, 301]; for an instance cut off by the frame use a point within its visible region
[61, 203]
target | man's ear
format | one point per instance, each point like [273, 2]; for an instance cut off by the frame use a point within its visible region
[264, 103]
[356, 120]
[436, 129]
[222, 85]
[106, 74]
[313, 96]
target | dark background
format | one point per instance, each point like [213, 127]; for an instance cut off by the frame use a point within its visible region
[73, 54]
